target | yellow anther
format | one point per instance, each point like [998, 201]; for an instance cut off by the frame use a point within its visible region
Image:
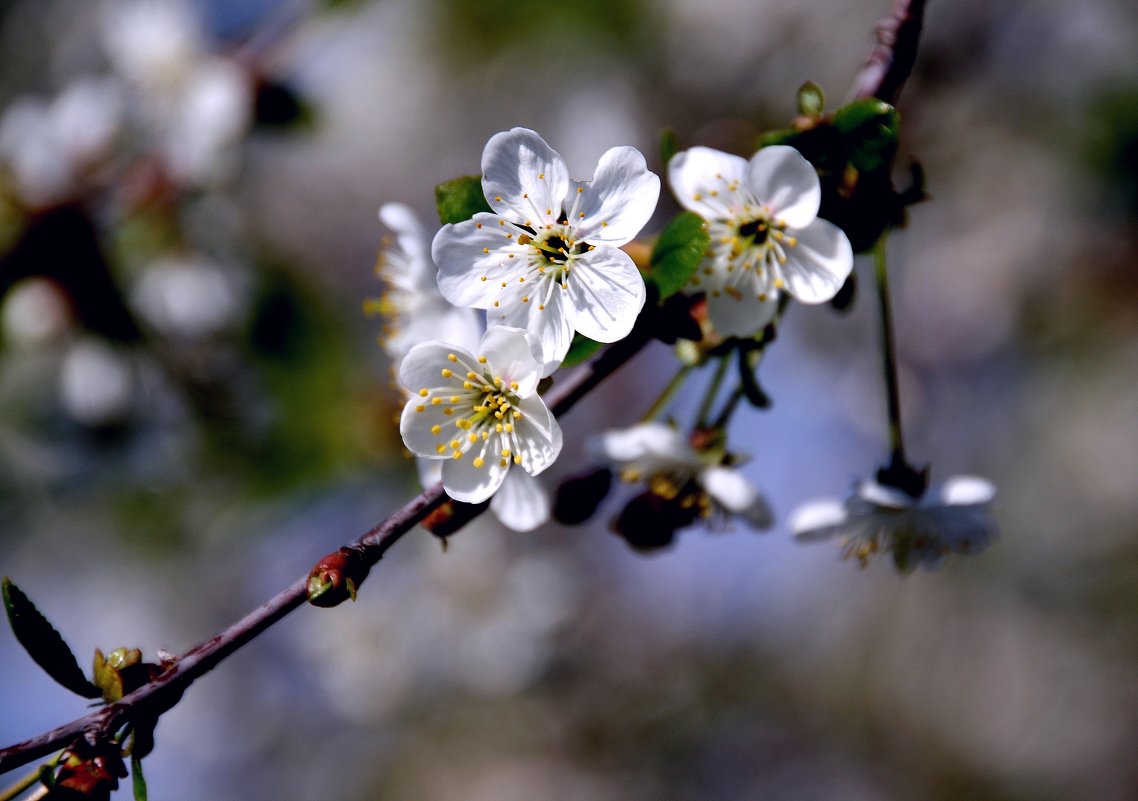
[485, 435]
[448, 411]
[485, 250]
[483, 278]
[467, 385]
[581, 215]
[697, 196]
[454, 443]
[517, 458]
[446, 373]
[514, 385]
[495, 304]
[604, 225]
[424, 392]
[504, 463]
[478, 461]
[521, 279]
[498, 428]
[436, 429]
[441, 448]
[498, 198]
[525, 298]
[482, 360]
[457, 454]
[454, 398]
[509, 428]
[420, 408]
[451, 357]
[580, 190]
[463, 423]
[541, 307]
[472, 375]
[477, 225]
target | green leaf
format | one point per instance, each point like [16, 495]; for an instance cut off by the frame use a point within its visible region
[669, 145]
[811, 99]
[137, 780]
[677, 253]
[782, 136]
[43, 643]
[460, 199]
[870, 129]
[580, 350]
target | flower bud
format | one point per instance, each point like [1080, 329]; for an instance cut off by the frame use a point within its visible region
[649, 521]
[88, 771]
[579, 496]
[337, 577]
[122, 671]
[451, 516]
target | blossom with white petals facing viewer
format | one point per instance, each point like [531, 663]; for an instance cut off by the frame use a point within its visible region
[413, 309]
[548, 259]
[765, 232]
[953, 517]
[661, 456]
[481, 414]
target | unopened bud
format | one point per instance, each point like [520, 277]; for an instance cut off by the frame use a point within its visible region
[649, 522]
[122, 671]
[88, 771]
[337, 577]
[450, 516]
[579, 496]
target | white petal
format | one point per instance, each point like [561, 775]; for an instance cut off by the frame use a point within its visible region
[882, 496]
[606, 293]
[819, 263]
[618, 202]
[457, 326]
[517, 163]
[650, 447]
[551, 325]
[819, 519]
[701, 179]
[786, 183]
[514, 355]
[474, 249]
[740, 316]
[961, 529]
[538, 436]
[733, 492]
[465, 482]
[430, 471]
[409, 232]
[416, 428]
[522, 502]
[964, 491]
[422, 367]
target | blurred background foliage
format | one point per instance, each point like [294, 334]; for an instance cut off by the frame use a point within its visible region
[193, 408]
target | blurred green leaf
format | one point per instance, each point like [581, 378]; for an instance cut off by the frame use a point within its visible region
[137, 780]
[782, 136]
[43, 643]
[669, 145]
[677, 253]
[460, 199]
[869, 128]
[811, 99]
[581, 349]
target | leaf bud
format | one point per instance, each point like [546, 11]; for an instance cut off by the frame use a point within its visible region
[337, 577]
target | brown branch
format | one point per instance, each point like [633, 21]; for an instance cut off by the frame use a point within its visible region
[151, 700]
[892, 58]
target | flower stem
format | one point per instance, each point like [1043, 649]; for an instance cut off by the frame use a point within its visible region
[897, 458]
[667, 393]
[712, 391]
[26, 783]
[728, 409]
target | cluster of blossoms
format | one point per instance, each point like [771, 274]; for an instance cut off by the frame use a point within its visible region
[545, 264]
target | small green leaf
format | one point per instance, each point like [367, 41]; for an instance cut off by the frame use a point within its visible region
[870, 128]
[460, 199]
[811, 100]
[677, 253]
[782, 136]
[669, 145]
[137, 780]
[581, 349]
[43, 643]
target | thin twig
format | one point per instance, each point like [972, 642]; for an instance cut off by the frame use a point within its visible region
[894, 54]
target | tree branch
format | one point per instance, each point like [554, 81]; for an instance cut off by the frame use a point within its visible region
[153, 699]
[892, 58]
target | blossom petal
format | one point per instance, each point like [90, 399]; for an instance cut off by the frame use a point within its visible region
[740, 315]
[425, 427]
[430, 471]
[606, 293]
[733, 492]
[474, 259]
[469, 484]
[819, 263]
[538, 437]
[883, 496]
[409, 233]
[421, 367]
[649, 446]
[515, 356]
[785, 183]
[701, 179]
[618, 202]
[525, 180]
[818, 520]
[522, 502]
[964, 491]
[552, 324]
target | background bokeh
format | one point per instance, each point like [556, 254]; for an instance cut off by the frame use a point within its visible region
[193, 407]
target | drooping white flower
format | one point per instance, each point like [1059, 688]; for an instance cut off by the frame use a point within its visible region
[413, 309]
[661, 456]
[953, 517]
[548, 259]
[766, 235]
[481, 414]
[522, 503]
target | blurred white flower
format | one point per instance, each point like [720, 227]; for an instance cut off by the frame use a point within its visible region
[95, 382]
[35, 311]
[485, 406]
[548, 259]
[766, 235]
[412, 307]
[187, 297]
[954, 517]
[662, 457]
[50, 146]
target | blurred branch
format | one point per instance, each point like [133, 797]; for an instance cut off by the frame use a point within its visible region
[153, 699]
[892, 57]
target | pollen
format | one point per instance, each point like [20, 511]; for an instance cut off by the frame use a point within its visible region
[517, 458]
[504, 463]
[514, 386]
[483, 278]
[436, 401]
[448, 411]
[454, 398]
[457, 454]
[446, 373]
[498, 198]
[521, 279]
[541, 307]
[482, 360]
[471, 438]
[436, 429]
[525, 299]
[697, 196]
[477, 225]
[424, 392]
[420, 408]
[541, 176]
[451, 357]
[463, 423]
[498, 428]
[579, 190]
[441, 448]
[485, 250]
[478, 461]
[495, 304]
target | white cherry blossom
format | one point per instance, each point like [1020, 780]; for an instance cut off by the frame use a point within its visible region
[548, 258]
[412, 307]
[480, 414]
[766, 235]
[953, 517]
[522, 503]
[661, 456]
